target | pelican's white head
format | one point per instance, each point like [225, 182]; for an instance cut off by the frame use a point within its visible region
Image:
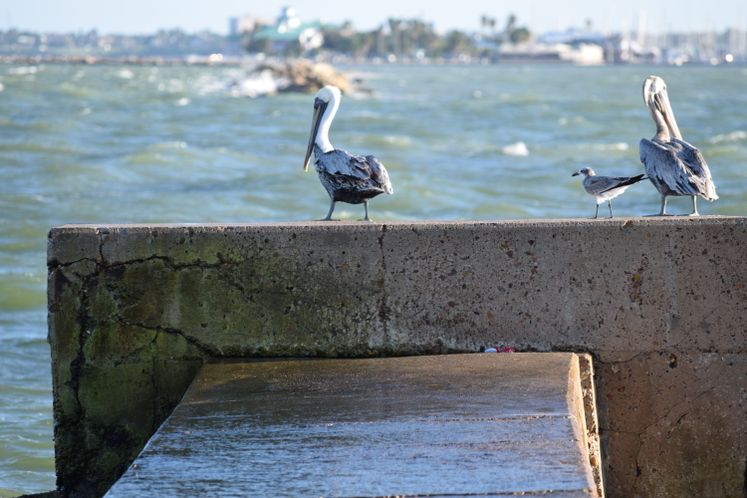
[652, 86]
[656, 98]
[326, 103]
[328, 94]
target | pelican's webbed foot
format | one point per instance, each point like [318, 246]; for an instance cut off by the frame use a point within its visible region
[329, 213]
[695, 207]
[366, 218]
[663, 210]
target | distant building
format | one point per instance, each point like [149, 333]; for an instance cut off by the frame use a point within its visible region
[574, 36]
[233, 26]
[287, 35]
[581, 54]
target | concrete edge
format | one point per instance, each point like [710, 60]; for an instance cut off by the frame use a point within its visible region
[622, 221]
[591, 419]
[581, 414]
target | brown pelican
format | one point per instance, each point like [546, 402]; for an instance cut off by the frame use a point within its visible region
[674, 166]
[605, 188]
[347, 178]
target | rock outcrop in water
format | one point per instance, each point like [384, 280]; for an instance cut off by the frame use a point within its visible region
[290, 76]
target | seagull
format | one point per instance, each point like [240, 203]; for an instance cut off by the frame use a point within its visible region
[605, 188]
[347, 178]
[674, 166]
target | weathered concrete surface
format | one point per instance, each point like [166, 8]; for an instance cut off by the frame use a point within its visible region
[660, 303]
[474, 424]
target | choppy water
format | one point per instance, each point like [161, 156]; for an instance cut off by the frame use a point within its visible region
[139, 144]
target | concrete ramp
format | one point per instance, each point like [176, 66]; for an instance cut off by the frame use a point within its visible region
[485, 424]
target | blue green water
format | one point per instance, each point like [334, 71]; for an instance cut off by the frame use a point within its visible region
[100, 144]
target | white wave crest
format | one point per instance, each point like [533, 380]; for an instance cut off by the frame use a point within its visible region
[23, 70]
[734, 136]
[516, 149]
[616, 146]
[125, 74]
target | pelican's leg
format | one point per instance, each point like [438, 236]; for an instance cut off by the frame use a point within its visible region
[663, 211]
[609, 204]
[596, 213]
[365, 206]
[331, 209]
[695, 207]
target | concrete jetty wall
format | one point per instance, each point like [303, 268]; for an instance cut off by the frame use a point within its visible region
[661, 304]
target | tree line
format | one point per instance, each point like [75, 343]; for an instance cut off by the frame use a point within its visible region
[415, 37]
[409, 38]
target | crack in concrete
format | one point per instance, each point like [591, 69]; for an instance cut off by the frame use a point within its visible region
[640, 435]
[171, 264]
[136, 352]
[101, 234]
[102, 266]
[77, 473]
[157, 398]
[675, 407]
[202, 347]
[55, 264]
[383, 305]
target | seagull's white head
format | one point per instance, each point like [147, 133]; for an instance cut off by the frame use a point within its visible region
[585, 172]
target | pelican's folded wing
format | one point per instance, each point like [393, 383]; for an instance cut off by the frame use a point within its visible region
[665, 167]
[379, 174]
[691, 157]
[341, 162]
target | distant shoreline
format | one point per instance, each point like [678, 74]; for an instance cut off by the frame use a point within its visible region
[218, 60]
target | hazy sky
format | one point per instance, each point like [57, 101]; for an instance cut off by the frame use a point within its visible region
[144, 16]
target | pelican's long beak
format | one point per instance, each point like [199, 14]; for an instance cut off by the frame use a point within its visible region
[657, 99]
[319, 107]
[662, 103]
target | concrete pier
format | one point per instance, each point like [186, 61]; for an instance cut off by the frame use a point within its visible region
[447, 425]
[660, 304]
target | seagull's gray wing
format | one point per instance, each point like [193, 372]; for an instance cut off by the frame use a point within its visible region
[596, 185]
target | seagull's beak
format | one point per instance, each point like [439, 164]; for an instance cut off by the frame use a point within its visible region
[576, 173]
[319, 108]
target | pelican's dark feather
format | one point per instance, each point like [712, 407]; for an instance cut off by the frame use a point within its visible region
[350, 178]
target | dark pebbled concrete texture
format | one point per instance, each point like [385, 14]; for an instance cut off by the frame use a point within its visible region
[660, 303]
